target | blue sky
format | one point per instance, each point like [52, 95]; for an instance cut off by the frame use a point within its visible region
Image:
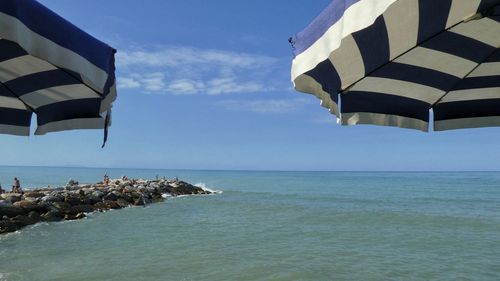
[206, 85]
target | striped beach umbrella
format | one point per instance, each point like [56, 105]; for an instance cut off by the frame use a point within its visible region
[53, 69]
[399, 62]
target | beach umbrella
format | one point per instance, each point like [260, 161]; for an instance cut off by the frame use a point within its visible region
[53, 69]
[399, 62]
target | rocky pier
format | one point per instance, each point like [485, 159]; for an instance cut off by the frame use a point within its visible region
[74, 201]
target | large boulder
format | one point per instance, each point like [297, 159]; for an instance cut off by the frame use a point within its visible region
[10, 210]
[90, 200]
[34, 194]
[34, 215]
[106, 205]
[12, 197]
[52, 198]
[74, 216]
[182, 188]
[7, 226]
[21, 221]
[72, 199]
[157, 198]
[29, 206]
[112, 196]
[62, 207]
[98, 193]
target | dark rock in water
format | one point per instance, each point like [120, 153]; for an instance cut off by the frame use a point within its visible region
[52, 215]
[7, 226]
[147, 200]
[157, 199]
[34, 215]
[139, 202]
[74, 216]
[112, 204]
[21, 221]
[74, 210]
[106, 205]
[122, 203]
[10, 211]
[185, 188]
[80, 216]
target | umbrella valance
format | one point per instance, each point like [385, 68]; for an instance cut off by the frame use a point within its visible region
[388, 62]
[51, 68]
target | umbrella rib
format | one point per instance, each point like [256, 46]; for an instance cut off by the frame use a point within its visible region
[76, 78]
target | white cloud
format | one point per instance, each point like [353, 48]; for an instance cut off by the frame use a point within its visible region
[179, 56]
[185, 86]
[265, 106]
[224, 85]
[128, 83]
[153, 81]
[188, 70]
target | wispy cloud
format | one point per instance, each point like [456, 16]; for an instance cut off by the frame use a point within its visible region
[188, 70]
[266, 106]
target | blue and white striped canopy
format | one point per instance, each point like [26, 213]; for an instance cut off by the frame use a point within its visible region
[390, 62]
[53, 69]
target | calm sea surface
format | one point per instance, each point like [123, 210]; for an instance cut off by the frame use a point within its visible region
[270, 226]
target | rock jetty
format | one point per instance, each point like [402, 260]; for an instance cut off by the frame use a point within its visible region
[74, 201]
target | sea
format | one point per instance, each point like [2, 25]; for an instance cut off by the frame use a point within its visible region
[270, 226]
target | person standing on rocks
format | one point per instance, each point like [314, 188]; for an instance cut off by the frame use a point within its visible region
[106, 179]
[16, 188]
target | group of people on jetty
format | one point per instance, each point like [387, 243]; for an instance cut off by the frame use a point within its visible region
[16, 187]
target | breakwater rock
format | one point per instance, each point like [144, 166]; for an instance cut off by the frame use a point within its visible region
[74, 201]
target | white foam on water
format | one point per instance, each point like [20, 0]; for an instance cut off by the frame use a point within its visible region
[206, 188]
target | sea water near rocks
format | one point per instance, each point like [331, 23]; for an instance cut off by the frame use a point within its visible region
[271, 226]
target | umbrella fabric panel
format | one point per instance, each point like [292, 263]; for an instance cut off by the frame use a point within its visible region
[50, 37]
[54, 94]
[15, 117]
[474, 102]
[393, 71]
[408, 87]
[313, 46]
[54, 69]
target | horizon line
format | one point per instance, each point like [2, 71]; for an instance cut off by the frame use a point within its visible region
[252, 170]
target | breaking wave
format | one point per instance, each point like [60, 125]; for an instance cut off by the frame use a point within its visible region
[206, 188]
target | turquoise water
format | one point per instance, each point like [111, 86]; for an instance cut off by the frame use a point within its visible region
[271, 226]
